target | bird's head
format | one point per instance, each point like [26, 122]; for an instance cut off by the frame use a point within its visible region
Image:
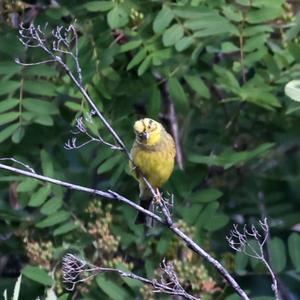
[147, 131]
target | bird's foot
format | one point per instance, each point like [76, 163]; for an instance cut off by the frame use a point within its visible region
[158, 197]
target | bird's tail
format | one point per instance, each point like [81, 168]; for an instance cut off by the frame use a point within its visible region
[146, 202]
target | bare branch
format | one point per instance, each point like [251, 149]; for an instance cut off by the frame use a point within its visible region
[20, 163]
[251, 242]
[76, 270]
[71, 144]
[108, 195]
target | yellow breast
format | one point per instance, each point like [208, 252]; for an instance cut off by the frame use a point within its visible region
[156, 165]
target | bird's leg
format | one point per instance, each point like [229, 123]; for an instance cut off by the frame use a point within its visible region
[157, 198]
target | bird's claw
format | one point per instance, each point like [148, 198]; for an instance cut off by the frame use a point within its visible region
[157, 198]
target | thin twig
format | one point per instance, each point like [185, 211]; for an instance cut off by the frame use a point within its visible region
[76, 270]
[19, 162]
[242, 241]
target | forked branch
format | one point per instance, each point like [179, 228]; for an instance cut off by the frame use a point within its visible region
[76, 270]
[251, 242]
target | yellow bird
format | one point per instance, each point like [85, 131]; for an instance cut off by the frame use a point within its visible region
[153, 154]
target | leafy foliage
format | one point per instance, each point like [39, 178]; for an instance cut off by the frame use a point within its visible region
[224, 64]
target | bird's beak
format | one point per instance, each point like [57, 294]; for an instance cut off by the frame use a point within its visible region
[144, 136]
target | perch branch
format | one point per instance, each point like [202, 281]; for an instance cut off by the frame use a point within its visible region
[111, 195]
[108, 195]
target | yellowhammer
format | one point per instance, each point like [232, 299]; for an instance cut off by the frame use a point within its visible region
[153, 153]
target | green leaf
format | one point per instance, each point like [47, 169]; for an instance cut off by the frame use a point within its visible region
[163, 245]
[40, 106]
[206, 195]
[40, 87]
[294, 30]
[267, 3]
[153, 105]
[47, 165]
[255, 42]
[117, 17]
[216, 222]
[8, 104]
[294, 246]
[8, 87]
[197, 84]
[228, 47]
[232, 13]
[192, 13]
[253, 30]
[39, 197]
[51, 206]
[109, 164]
[172, 35]
[159, 56]
[27, 185]
[41, 71]
[8, 117]
[18, 135]
[144, 65]
[177, 93]
[292, 90]
[228, 158]
[9, 68]
[130, 46]
[241, 261]
[95, 6]
[184, 43]
[73, 106]
[111, 289]
[263, 14]
[38, 275]
[44, 120]
[191, 216]
[207, 213]
[210, 25]
[277, 254]
[163, 19]
[292, 108]
[63, 297]
[17, 288]
[65, 228]
[54, 219]
[227, 79]
[137, 58]
[7, 132]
